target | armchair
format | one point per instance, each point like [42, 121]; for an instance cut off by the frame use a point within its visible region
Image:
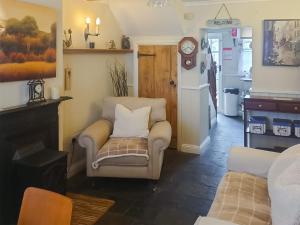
[96, 137]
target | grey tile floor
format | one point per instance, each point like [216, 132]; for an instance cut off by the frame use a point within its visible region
[185, 191]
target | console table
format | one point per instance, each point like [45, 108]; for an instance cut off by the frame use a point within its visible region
[272, 105]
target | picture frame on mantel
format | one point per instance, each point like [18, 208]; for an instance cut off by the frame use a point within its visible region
[281, 42]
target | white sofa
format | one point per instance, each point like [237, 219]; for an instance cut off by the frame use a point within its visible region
[260, 188]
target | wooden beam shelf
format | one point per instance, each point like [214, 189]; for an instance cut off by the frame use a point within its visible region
[96, 51]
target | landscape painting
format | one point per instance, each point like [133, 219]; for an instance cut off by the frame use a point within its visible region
[281, 43]
[26, 51]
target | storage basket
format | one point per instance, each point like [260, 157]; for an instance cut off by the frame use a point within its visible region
[258, 124]
[297, 128]
[282, 127]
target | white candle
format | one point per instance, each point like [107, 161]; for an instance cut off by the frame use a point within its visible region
[55, 93]
[98, 22]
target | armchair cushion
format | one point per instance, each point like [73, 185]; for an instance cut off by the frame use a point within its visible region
[123, 152]
[131, 123]
[286, 196]
[252, 161]
[242, 199]
[158, 107]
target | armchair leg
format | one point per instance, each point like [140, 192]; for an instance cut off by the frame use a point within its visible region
[92, 182]
[155, 187]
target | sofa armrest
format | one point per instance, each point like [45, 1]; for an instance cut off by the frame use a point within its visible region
[212, 221]
[252, 161]
[96, 135]
[160, 136]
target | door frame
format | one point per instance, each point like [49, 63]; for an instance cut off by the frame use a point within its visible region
[161, 41]
[218, 35]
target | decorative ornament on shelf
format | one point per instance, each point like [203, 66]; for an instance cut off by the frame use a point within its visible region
[125, 42]
[36, 91]
[112, 44]
[157, 3]
[68, 40]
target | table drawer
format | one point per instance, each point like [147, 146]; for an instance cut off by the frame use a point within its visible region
[261, 105]
[289, 107]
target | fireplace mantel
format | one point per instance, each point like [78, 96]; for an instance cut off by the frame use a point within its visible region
[24, 107]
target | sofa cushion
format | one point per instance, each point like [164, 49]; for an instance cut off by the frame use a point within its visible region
[281, 163]
[158, 107]
[131, 123]
[123, 152]
[285, 200]
[242, 199]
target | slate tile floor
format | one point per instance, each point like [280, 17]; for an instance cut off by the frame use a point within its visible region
[185, 191]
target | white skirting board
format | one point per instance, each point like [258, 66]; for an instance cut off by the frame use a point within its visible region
[195, 149]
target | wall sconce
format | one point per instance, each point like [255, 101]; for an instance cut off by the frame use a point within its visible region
[87, 29]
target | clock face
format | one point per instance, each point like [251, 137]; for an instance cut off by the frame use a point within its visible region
[38, 88]
[188, 47]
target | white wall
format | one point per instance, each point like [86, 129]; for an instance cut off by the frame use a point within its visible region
[252, 14]
[90, 80]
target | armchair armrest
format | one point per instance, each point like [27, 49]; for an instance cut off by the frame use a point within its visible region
[96, 135]
[160, 136]
[212, 221]
[249, 160]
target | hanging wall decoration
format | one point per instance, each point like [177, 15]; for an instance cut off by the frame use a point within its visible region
[27, 46]
[281, 43]
[223, 22]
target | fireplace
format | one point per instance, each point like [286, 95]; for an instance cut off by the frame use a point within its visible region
[25, 130]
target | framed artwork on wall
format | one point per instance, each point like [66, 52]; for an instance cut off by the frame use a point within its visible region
[281, 42]
[27, 46]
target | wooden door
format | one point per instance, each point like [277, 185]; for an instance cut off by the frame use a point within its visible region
[158, 79]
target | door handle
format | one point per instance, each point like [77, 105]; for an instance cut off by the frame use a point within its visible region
[172, 83]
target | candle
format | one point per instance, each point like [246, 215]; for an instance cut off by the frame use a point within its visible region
[98, 22]
[55, 93]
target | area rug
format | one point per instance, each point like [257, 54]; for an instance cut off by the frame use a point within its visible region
[88, 210]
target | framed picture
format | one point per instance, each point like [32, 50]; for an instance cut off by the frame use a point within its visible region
[281, 43]
[27, 45]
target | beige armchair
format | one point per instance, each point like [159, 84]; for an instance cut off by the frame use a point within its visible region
[96, 137]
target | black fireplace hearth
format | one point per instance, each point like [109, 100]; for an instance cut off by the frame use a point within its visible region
[29, 145]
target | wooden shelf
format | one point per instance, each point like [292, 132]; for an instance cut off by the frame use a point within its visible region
[96, 51]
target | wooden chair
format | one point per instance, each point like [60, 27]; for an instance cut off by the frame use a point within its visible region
[45, 207]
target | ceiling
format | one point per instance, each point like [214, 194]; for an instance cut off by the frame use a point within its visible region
[209, 2]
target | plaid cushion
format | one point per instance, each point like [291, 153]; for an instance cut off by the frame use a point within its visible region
[122, 148]
[242, 199]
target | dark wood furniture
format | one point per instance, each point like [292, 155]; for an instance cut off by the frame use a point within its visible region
[268, 104]
[21, 127]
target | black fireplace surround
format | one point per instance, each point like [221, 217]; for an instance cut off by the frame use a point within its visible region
[21, 127]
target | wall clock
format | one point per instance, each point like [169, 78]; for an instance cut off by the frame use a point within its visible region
[36, 91]
[188, 48]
